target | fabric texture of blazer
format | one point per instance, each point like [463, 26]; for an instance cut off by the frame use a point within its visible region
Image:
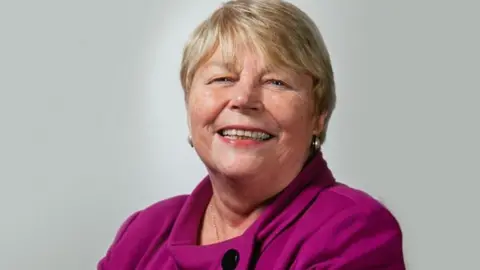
[314, 223]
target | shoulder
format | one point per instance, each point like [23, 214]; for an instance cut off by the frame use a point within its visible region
[342, 200]
[140, 229]
[154, 218]
[347, 197]
[164, 211]
[359, 232]
[356, 206]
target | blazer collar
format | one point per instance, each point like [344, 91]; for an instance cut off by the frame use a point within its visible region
[285, 209]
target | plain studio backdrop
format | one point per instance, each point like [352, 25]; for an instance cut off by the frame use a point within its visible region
[93, 124]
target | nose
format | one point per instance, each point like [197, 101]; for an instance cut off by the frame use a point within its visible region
[246, 97]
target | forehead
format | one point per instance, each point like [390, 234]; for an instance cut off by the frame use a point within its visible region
[245, 58]
[237, 59]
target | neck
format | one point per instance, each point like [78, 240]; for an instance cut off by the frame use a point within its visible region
[236, 204]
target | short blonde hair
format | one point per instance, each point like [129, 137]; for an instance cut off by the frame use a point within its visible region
[279, 31]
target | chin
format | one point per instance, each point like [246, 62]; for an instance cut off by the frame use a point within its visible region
[239, 165]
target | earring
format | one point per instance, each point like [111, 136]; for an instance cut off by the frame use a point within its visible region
[189, 139]
[316, 144]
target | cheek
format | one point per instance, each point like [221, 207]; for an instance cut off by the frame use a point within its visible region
[203, 107]
[293, 112]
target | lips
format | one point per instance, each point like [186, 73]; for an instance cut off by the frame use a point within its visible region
[245, 133]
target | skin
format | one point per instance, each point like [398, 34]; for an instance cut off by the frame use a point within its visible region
[244, 177]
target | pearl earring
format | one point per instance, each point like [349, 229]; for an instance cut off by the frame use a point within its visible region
[316, 144]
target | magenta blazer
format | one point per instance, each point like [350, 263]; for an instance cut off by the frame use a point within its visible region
[315, 223]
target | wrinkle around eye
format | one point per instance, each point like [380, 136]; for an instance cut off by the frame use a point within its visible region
[220, 80]
[280, 84]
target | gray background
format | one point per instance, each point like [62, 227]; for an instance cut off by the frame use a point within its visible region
[93, 124]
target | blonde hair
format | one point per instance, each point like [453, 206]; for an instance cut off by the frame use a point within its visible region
[279, 31]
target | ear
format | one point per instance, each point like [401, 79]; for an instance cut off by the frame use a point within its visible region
[319, 123]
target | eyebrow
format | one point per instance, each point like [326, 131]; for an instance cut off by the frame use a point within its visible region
[220, 64]
[234, 67]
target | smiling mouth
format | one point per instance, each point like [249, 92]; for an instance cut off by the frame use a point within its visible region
[241, 134]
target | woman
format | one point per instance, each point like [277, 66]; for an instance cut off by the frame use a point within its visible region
[259, 91]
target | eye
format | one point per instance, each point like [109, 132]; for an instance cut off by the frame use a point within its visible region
[277, 83]
[222, 80]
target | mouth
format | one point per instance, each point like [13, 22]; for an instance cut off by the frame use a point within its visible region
[245, 134]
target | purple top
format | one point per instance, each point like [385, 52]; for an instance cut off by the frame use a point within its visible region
[314, 223]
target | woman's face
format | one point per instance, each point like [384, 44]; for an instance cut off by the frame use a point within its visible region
[247, 121]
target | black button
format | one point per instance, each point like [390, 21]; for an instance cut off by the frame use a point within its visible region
[230, 259]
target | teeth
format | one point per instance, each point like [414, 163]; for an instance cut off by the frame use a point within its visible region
[258, 135]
